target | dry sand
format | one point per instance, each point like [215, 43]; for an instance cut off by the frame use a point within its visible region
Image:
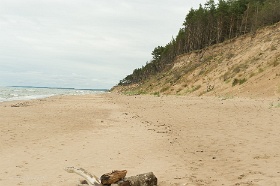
[183, 140]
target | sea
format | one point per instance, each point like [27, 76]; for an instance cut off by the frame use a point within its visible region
[29, 92]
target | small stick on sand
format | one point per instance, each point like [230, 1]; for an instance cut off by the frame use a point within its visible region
[91, 179]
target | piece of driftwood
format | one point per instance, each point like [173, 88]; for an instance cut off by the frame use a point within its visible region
[147, 179]
[113, 177]
[91, 179]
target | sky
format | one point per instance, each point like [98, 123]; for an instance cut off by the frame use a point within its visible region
[83, 43]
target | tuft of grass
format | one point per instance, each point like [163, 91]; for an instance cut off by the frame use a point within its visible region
[252, 74]
[227, 96]
[195, 88]
[136, 92]
[234, 70]
[274, 105]
[261, 70]
[235, 82]
[201, 72]
[227, 81]
[238, 81]
[157, 94]
[164, 89]
[241, 81]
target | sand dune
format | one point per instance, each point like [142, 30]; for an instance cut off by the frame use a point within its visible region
[183, 140]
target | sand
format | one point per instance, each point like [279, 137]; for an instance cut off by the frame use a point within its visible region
[183, 140]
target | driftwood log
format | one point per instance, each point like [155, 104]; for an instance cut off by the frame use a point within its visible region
[115, 178]
[147, 179]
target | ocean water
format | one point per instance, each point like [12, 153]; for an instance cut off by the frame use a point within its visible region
[27, 93]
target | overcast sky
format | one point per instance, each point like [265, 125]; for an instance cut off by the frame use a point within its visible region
[83, 43]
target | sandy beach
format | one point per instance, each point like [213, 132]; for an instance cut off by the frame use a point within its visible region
[184, 140]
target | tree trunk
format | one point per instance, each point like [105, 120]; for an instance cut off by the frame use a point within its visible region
[147, 179]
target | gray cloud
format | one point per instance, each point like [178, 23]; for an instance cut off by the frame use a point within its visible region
[82, 44]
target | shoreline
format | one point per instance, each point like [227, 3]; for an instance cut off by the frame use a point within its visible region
[25, 93]
[194, 141]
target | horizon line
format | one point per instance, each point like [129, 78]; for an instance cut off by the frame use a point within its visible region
[70, 88]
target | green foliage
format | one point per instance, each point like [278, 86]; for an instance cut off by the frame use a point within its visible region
[238, 81]
[252, 74]
[157, 94]
[209, 24]
[227, 96]
[195, 88]
[239, 68]
[157, 52]
[235, 82]
[132, 93]
[274, 105]
[241, 81]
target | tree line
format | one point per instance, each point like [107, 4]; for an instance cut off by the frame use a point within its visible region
[208, 25]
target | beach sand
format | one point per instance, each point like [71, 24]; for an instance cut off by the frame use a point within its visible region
[184, 140]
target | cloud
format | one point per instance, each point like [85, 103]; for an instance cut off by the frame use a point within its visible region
[46, 42]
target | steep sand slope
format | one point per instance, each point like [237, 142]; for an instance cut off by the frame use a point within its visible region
[245, 66]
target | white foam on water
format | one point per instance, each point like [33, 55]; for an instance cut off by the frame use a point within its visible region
[28, 93]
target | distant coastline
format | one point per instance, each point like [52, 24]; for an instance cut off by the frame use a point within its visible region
[63, 88]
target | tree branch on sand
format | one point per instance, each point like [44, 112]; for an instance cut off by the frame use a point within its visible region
[116, 178]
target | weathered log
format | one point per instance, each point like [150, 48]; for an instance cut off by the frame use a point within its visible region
[147, 179]
[113, 177]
